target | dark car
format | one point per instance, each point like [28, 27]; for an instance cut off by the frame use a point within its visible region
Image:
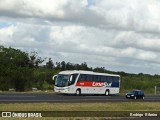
[135, 94]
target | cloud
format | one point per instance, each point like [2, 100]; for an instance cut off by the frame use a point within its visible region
[61, 10]
[120, 15]
[123, 35]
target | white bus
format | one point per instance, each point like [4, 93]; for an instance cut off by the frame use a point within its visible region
[86, 82]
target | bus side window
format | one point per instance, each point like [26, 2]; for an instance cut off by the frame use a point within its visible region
[89, 78]
[116, 79]
[82, 77]
[97, 78]
[103, 78]
[109, 79]
[106, 79]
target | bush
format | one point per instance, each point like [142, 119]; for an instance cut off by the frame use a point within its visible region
[47, 86]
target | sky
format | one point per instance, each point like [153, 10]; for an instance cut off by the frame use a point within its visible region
[120, 35]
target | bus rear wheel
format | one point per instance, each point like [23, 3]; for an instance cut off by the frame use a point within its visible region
[106, 92]
[78, 92]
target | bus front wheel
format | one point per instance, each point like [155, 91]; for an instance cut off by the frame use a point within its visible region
[106, 92]
[78, 92]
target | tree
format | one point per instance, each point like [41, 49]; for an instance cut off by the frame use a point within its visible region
[69, 66]
[84, 66]
[35, 60]
[50, 64]
[17, 68]
[58, 66]
[100, 69]
[63, 65]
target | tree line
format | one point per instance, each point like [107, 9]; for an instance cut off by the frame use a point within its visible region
[23, 71]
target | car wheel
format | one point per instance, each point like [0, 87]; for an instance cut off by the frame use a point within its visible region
[143, 97]
[135, 97]
[78, 92]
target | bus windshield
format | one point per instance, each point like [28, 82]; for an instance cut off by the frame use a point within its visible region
[61, 80]
[65, 80]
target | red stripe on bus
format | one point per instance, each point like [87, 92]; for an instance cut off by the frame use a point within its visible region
[90, 84]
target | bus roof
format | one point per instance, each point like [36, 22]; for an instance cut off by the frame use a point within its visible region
[86, 72]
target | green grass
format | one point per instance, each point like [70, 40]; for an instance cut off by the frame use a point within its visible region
[30, 92]
[109, 106]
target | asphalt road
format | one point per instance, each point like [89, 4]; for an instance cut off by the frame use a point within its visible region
[59, 98]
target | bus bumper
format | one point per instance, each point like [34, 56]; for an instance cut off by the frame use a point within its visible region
[61, 90]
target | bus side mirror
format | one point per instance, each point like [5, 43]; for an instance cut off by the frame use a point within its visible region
[54, 77]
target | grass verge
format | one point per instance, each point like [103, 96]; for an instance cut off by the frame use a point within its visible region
[109, 106]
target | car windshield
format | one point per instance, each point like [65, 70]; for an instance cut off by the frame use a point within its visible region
[133, 92]
[61, 80]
